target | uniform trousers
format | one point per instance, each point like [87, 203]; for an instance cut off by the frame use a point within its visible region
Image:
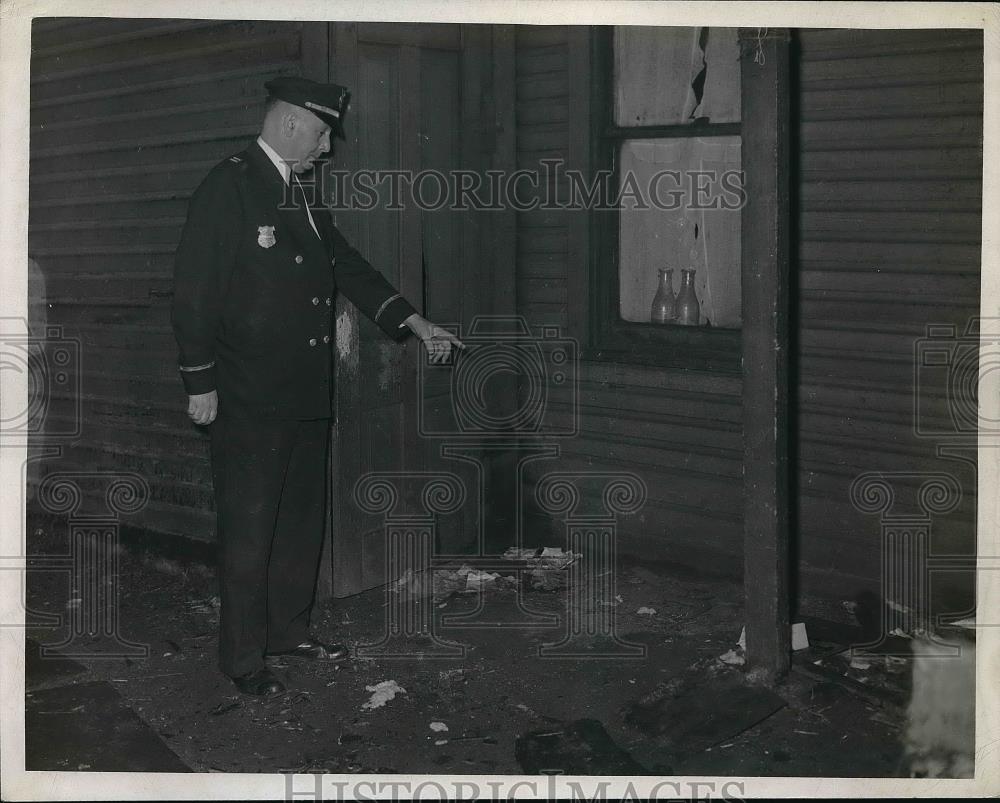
[270, 495]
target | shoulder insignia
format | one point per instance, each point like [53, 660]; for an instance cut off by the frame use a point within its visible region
[236, 159]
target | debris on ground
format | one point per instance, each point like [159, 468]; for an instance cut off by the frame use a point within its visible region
[448, 675]
[464, 579]
[448, 581]
[733, 658]
[226, 707]
[860, 663]
[206, 605]
[438, 727]
[582, 747]
[193, 710]
[644, 611]
[894, 664]
[382, 693]
[475, 580]
[800, 638]
[546, 565]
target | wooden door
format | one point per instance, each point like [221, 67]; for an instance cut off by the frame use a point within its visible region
[414, 107]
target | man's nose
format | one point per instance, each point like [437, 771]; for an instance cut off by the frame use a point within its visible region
[324, 144]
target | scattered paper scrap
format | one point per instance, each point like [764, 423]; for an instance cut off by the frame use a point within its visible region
[205, 605]
[733, 658]
[644, 611]
[550, 557]
[475, 580]
[439, 742]
[800, 639]
[898, 631]
[438, 727]
[383, 692]
[860, 663]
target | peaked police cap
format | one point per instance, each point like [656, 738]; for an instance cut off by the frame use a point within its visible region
[329, 102]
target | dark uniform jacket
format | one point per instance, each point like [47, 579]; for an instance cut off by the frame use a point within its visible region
[254, 291]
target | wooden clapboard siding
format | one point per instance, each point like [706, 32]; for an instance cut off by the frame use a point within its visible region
[127, 116]
[887, 206]
[889, 212]
[678, 431]
[542, 115]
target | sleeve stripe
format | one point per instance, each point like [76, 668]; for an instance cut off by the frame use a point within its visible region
[191, 368]
[385, 304]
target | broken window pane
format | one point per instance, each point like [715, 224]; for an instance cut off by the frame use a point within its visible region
[668, 76]
[680, 202]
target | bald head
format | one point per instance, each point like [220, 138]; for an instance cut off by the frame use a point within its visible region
[296, 134]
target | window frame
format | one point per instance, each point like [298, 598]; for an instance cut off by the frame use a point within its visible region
[611, 338]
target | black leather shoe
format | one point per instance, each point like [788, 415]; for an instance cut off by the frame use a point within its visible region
[260, 683]
[315, 650]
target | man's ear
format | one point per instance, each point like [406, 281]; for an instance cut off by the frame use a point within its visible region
[288, 123]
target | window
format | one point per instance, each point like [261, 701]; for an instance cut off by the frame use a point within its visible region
[667, 126]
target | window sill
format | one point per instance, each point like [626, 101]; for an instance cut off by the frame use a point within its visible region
[693, 348]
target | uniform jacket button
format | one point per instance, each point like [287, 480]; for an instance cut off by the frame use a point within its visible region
[333, 261]
[329, 302]
[298, 259]
[315, 300]
[326, 338]
[312, 341]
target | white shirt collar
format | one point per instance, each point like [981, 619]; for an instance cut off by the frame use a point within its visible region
[279, 163]
[285, 171]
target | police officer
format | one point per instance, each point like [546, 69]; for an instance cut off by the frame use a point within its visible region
[256, 274]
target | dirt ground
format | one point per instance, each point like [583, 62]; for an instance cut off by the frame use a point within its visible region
[499, 708]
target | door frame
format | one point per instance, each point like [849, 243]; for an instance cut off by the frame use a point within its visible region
[487, 142]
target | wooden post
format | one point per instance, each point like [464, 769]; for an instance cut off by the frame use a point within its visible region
[504, 157]
[765, 253]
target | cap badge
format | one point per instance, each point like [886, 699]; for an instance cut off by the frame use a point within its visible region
[324, 109]
[265, 236]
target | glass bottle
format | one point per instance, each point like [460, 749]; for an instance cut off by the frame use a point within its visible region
[687, 307]
[663, 310]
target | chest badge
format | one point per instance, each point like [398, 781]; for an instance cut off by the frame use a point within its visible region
[265, 236]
